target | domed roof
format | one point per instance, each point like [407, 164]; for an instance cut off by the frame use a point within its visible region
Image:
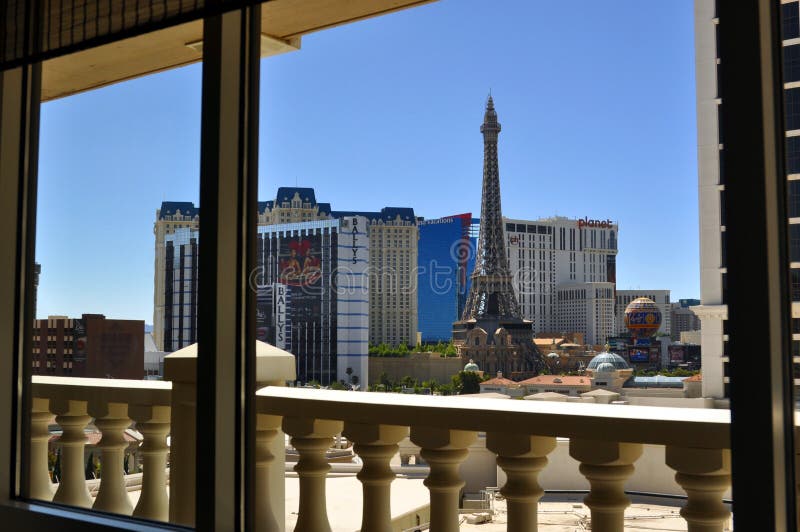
[608, 358]
[605, 367]
[471, 366]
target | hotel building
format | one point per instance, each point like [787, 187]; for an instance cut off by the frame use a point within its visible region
[172, 216]
[393, 236]
[89, 346]
[312, 294]
[562, 271]
[392, 233]
[446, 256]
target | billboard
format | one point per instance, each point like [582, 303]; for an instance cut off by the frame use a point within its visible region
[79, 348]
[639, 356]
[677, 354]
[296, 294]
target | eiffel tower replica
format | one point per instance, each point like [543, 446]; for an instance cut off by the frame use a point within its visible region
[491, 331]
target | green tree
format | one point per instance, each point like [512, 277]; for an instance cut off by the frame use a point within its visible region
[465, 382]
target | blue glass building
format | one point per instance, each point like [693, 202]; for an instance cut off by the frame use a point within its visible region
[446, 255]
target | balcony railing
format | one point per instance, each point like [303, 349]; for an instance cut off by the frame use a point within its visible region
[606, 440]
[112, 405]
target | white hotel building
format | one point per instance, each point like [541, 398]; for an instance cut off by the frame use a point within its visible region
[564, 273]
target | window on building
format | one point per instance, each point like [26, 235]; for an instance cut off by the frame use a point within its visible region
[794, 242]
[795, 284]
[792, 106]
[794, 198]
[791, 63]
[789, 19]
[793, 155]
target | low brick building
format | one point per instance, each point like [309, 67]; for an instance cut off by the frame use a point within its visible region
[89, 346]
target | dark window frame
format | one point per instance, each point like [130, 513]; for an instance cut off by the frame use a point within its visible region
[752, 61]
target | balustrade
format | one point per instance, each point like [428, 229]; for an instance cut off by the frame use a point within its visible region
[606, 440]
[112, 406]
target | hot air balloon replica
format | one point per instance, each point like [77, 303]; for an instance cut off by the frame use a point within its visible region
[642, 318]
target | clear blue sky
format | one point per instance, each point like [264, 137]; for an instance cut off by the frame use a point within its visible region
[596, 100]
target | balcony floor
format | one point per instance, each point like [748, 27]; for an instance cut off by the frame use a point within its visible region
[344, 498]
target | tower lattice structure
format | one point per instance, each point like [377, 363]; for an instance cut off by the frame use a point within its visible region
[491, 292]
[491, 332]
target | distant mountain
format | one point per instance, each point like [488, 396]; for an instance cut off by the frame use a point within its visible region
[148, 328]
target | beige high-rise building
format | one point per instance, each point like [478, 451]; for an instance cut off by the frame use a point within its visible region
[393, 237]
[172, 215]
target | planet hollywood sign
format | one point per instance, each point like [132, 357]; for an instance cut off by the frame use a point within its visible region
[603, 224]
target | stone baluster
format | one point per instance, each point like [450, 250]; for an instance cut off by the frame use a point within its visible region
[311, 438]
[267, 429]
[72, 417]
[40, 486]
[704, 474]
[444, 450]
[153, 423]
[522, 457]
[606, 465]
[376, 445]
[112, 420]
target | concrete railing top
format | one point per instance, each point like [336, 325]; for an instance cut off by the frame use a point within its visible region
[103, 390]
[685, 427]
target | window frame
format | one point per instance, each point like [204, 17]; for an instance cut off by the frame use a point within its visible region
[229, 186]
[754, 147]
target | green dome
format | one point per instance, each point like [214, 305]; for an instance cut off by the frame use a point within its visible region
[471, 366]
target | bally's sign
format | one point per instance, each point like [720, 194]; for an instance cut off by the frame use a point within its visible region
[354, 247]
[280, 315]
[603, 224]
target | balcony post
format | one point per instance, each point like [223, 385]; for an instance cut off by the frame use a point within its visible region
[153, 423]
[444, 450]
[704, 474]
[376, 445]
[273, 368]
[311, 438]
[267, 429]
[522, 457]
[72, 417]
[112, 420]
[180, 367]
[40, 486]
[606, 465]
